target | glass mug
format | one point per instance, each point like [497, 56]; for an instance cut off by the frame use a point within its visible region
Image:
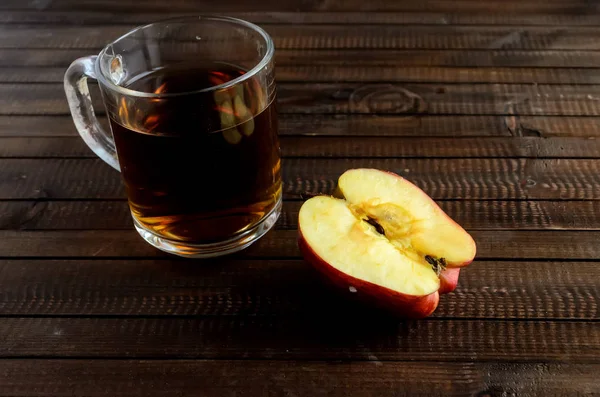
[191, 106]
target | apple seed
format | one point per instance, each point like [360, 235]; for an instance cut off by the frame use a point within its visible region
[438, 265]
[376, 225]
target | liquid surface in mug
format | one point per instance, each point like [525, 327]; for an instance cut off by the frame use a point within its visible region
[198, 168]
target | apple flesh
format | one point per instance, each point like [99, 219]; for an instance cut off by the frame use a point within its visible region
[385, 240]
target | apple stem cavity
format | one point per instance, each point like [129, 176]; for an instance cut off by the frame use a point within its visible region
[438, 265]
[376, 225]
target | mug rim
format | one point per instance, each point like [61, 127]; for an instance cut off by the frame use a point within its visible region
[267, 57]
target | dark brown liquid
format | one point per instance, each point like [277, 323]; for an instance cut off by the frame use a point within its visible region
[194, 172]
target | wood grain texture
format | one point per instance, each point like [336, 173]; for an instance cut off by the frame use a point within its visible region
[402, 58]
[331, 336]
[417, 74]
[336, 36]
[377, 98]
[468, 99]
[179, 378]
[504, 58]
[491, 244]
[362, 147]
[357, 147]
[102, 17]
[360, 125]
[472, 179]
[509, 7]
[370, 74]
[168, 287]
[473, 215]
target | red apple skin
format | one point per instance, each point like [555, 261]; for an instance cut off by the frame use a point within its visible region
[448, 219]
[402, 305]
[448, 280]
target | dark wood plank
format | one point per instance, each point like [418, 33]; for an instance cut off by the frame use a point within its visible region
[370, 74]
[333, 36]
[491, 244]
[487, 289]
[385, 125]
[463, 178]
[69, 215]
[509, 7]
[357, 147]
[376, 58]
[336, 36]
[417, 74]
[90, 183]
[480, 215]
[381, 98]
[389, 98]
[394, 58]
[42, 57]
[245, 378]
[40, 99]
[39, 126]
[347, 334]
[553, 126]
[360, 125]
[473, 179]
[61, 147]
[102, 17]
[396, 36]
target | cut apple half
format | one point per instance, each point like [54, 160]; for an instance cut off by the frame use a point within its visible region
[386, 239]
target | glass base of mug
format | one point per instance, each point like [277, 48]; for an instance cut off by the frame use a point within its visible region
[190, 250]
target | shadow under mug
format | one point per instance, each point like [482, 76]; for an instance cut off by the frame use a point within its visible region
[191, 106]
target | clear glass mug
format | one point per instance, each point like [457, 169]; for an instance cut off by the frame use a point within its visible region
[191, 105]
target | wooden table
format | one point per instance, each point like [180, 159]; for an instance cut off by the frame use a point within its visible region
[492, 107]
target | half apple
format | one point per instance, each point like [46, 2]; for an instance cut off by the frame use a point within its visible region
[385, 240]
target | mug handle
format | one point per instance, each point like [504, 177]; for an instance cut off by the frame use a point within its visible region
[82, 111]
